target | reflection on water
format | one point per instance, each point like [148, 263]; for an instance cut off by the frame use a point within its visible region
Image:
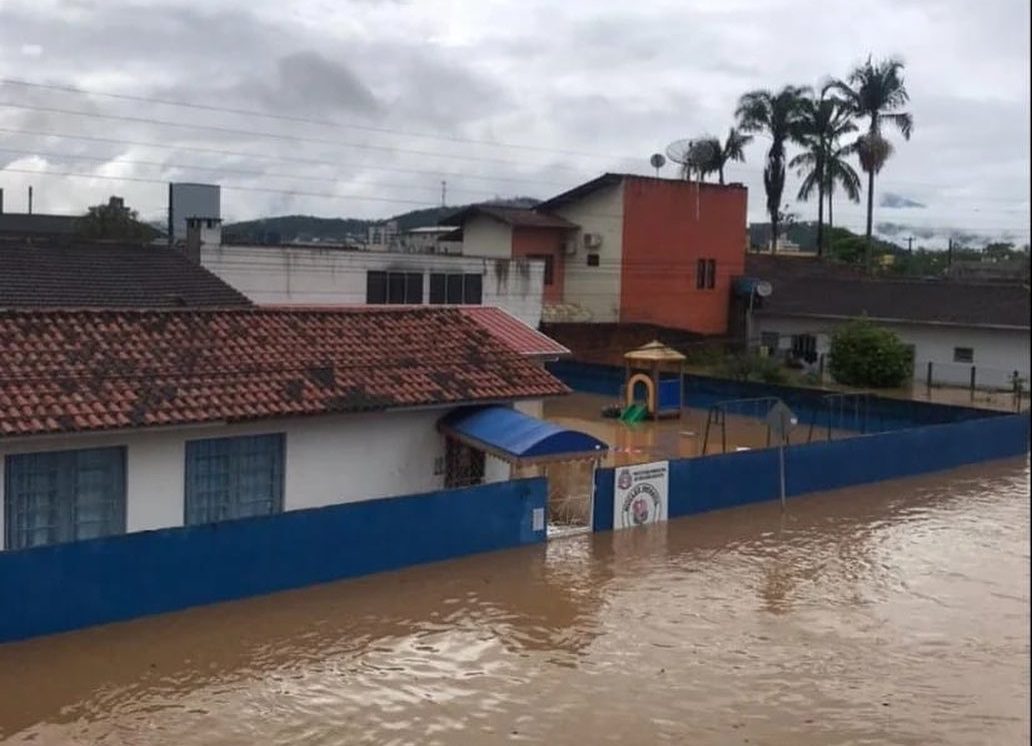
[894, 613]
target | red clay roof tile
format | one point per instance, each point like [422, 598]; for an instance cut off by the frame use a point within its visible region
[66, 371]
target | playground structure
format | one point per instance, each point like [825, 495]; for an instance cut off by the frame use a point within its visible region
[659, 370]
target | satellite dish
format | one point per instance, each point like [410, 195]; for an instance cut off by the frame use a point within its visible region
[763, 288]
[658, 161]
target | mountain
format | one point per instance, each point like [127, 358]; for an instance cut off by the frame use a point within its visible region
[890, 200]
[287, 228]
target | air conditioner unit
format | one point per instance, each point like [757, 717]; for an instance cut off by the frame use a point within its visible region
[592, 240]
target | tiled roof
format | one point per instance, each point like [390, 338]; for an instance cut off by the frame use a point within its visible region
[514, 333]
[102, 275]
[810, 287]
[71, 371]
[516, 216]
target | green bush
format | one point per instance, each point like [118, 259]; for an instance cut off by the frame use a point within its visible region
[863, 354]
[753, 368]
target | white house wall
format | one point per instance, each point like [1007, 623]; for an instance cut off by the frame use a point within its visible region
[484, 236]
[314, 276]
[997, 352]
[596, 290]
[328, 460]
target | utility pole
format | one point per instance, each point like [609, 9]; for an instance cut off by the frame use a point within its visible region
[910, 244]
[949, 254]
[30, 200]
[444, 194]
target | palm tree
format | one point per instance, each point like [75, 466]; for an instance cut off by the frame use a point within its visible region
[776, 115]
[733, 149]
[876, 91]
[703, 156]
[821, 124]
[838, 172]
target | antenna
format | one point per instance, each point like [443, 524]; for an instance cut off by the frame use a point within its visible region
[657, 161]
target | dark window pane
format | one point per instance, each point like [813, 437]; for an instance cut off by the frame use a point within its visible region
[438, 288]
[592, 260]
[455, 289]
[963, 355]
[376, 287]
[395, 287]
[414, 287]
[229, 478]
[474, 290]
[700, 274]
[711, 273]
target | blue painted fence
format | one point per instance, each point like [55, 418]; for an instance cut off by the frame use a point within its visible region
[67, 586]
[728, 480]
[884, 414]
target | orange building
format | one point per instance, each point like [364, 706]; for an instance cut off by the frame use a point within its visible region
[626, 249]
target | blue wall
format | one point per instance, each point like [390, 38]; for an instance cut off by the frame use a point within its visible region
[62, 587]
[884, 414]
[727, 480]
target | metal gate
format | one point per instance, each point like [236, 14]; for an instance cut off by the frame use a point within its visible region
[571, 494]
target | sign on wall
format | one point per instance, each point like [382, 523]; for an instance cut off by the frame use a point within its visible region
[641, 494]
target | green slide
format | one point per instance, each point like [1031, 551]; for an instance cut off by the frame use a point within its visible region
[633, 413]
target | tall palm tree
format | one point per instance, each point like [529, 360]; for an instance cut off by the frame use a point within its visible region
[733, 149]
[838, 172]
[822, 122]
[776, 115]
[876, 91]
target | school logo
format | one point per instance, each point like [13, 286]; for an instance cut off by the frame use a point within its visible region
[642, 505]
[624, 480]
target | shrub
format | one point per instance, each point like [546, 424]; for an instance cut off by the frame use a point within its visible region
[863, 354]
[753, 368]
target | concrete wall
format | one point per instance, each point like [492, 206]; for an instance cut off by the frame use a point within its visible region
[997, 352]
[484, 236]
[328, 460]
[596, 290]
[316, 276]
[668, 227]
[527, 242]
[67, 586]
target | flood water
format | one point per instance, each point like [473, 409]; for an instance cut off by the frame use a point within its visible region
[896, 613]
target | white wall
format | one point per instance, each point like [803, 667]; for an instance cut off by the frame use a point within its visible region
[484, 236]
[325, 276]
[596, 289]
[328, 460]
[997, 352]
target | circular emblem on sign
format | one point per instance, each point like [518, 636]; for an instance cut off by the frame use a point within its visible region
[642, 505]
[624, 480]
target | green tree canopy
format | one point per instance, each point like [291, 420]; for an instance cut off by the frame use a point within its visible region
[864, 354]
[114, 222]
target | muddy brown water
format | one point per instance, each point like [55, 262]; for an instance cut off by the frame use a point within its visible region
[896, 613]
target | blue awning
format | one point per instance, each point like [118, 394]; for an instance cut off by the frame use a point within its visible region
[516, 437]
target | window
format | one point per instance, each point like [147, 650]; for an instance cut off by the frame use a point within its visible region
[60, 496]
[229, 478]
[464, 466]
[592, 260]
[456, 289]
[394, 287]
[770, 340]
[705, 274]
[963, 355]
[549, 261]
[804, 347]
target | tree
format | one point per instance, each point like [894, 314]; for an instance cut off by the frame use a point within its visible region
[703, 157]
[822, 122]
[733, 149]
[776, 115]
[866, 355]
[839, 173]
[113, 221]
[876, 91]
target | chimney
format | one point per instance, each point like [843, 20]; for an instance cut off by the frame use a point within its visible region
[201, 232]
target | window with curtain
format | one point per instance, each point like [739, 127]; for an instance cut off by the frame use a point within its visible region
[456, 289]
[58, 496]
[229, 478]
[394, 287]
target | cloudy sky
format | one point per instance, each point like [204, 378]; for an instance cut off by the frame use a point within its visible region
[369, 104]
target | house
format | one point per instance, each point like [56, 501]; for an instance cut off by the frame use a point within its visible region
[308, 275]
[120, 421]
[960, 329]
[107, 275]
[625, 249]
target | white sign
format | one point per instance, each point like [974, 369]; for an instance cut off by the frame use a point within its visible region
[640, 495]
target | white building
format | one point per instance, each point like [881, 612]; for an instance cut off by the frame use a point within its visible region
[158, 419]
[956, 327]
[288, 275]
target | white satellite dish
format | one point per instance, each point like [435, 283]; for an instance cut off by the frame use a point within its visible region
[763, 288]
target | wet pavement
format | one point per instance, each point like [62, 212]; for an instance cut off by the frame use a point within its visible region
[894, 613]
